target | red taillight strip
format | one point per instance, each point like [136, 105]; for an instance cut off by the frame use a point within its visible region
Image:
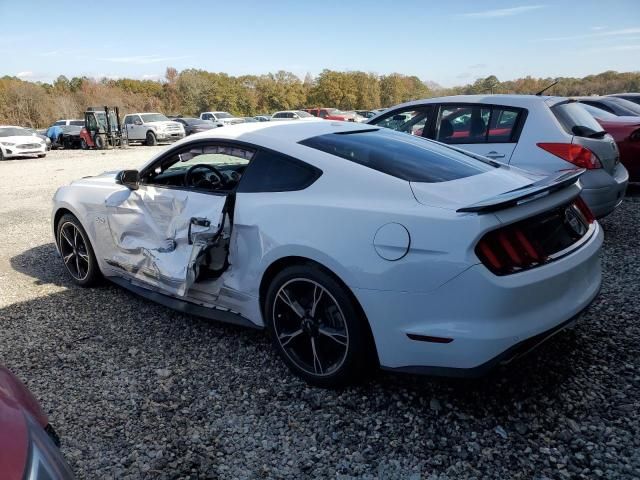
[506, 244]
[526, 244]
[489, 255]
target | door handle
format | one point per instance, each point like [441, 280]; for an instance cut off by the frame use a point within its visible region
[494, 154]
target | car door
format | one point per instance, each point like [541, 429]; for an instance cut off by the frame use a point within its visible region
[488, 130]
[166, 233]
[130, 124]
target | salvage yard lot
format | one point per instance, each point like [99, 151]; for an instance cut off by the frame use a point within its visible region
[135, 389]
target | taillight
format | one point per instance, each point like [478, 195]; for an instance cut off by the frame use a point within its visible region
[577, 154]
[635, 136]
[534, 241]
[585, 210]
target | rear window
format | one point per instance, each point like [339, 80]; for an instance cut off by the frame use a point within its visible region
[409, 158]
[575, 119]
[77, 123]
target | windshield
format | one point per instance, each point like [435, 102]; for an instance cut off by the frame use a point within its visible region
[598, 112]
[302, 114]
[13, 132]
[400, 155]
[153, 117]
[575, 119]
[223, 115]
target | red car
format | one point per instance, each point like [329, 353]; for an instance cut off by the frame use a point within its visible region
[626, 133]
[331, 114]
[27, 442]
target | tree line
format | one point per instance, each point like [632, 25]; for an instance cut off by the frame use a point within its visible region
[192, 91]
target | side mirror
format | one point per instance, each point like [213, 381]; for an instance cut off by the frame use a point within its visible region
[129, 178]
[137, 122]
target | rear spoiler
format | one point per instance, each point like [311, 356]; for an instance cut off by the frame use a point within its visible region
[527, 193]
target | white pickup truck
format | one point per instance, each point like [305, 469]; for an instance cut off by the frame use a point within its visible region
[152, 128]
[221, 118]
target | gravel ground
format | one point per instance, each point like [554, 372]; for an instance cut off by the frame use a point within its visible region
[138, 391]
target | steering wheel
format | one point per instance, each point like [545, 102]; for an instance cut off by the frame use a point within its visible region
[190, 179]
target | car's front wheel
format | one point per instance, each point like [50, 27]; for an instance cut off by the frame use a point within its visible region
[151, 139]
[76, 252]
[316, 328]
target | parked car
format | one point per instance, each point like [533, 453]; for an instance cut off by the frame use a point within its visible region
[68, 121]
[331, 114]
[615, 105]
[263, 118]
[367, 113]
[537, 133]
[351, 244]
[194, 125]
[292, 115]
[221, 118]
[356, 116]
[16, 142]
[631, 97]
[626, 132]
[28, 443]
[249, 119]
[41, 136]
[151, 128]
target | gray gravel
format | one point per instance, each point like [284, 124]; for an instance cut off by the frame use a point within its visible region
[139, 391]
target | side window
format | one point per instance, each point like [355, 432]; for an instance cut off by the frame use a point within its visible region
[59, 122]
[272, 172]
[128, 120]
[323, 114]
[91, 123]
[207, 116]
[413, 120]
[463, 124]
[607, 108]
[504, 121]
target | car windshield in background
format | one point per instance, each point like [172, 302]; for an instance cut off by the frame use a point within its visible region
[627, 107]
[223, 115]
[400, 155]
[598, 112]
[77, 123]
[13, 132]
[196, 121]
[576, 120]
[153, 117]
[302, 114]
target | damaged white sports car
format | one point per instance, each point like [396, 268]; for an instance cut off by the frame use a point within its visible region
[356, 247]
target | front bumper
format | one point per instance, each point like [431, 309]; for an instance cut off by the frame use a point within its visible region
[485, 316]
[169, 136]
[603, 192]
[15, 152]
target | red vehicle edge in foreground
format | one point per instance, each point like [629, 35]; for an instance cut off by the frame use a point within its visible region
[27, 442]
[330, 114]
[626, 132]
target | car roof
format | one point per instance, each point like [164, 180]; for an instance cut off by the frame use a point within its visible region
[272, 135]
[145, 113]
[495, 99]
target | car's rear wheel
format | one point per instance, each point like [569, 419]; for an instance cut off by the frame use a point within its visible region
[151, 139]
[315, 326]
[77, 254]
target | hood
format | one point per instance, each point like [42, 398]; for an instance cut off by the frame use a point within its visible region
[21, 139]
[460, 193]
[164, 123]
[103, 178]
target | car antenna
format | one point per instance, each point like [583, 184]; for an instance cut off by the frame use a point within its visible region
[547, 88]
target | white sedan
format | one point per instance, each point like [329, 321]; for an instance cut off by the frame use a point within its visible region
[17, 142]
[354, 246]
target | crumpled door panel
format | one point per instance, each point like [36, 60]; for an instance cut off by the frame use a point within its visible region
[149, 229]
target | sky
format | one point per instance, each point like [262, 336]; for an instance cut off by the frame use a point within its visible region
[448, 42]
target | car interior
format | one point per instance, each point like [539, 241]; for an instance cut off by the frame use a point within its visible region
[210, 168]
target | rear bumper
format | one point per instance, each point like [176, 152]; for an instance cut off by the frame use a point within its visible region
[169, 136]
[602, 191]
[487, 318]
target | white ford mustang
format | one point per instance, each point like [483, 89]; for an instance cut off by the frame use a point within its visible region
[354, 246]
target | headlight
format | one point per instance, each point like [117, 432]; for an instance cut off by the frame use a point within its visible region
[8, 144]
[45, 460]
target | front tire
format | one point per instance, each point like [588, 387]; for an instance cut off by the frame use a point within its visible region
[76, 251]
[151, 139]
[316, 328]
[83, 144]
[100, 141]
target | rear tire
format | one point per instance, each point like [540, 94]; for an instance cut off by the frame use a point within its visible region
[42, 155]
[76, 251]
[327, 345]
[100, 141]
[151, 139]
[1, 155]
